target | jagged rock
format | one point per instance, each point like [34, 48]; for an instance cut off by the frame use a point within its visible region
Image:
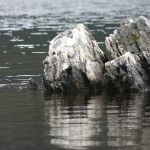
[126, 72]
[132, 36]
[75, 60]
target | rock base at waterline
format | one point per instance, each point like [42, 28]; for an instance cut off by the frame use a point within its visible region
[76, 62]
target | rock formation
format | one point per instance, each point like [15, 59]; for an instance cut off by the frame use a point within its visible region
[132, 36]
[75, 61]
[126, 71]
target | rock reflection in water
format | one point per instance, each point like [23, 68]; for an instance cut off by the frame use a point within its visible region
[124, 122]
[105, 121]
[72, 120]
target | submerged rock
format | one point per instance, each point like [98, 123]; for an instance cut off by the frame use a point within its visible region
[32, 84]
[75, 61]
[132, 36]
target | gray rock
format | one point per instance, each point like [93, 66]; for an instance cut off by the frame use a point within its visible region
[126, 72]
[75, 60]
[32, 84]
[132, 36]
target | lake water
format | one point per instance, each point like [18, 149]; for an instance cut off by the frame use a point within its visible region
[35, 120]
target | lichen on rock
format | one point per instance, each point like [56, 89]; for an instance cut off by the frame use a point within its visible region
[132, 36]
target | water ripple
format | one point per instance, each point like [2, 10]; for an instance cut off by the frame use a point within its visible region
[91, 122]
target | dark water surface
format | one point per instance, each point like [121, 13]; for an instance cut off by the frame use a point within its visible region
[34, 120]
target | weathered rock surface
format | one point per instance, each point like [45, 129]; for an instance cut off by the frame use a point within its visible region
[132, 36]
[75, 61]
[126, 72]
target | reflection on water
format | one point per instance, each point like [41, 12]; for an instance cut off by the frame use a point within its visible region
[30, 120]
[107, 122]
[35, 120]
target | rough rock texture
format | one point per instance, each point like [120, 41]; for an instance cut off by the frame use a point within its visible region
[75, 61]
[126, 71]
[132, 36]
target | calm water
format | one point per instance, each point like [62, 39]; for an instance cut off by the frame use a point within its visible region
[34, 120]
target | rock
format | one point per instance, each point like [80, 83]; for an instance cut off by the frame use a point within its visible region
[47, 84]
[126, 72]
[32, 84]
[75, 61]
[132, 36]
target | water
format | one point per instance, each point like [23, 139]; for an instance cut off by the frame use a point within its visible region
[37, 120]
